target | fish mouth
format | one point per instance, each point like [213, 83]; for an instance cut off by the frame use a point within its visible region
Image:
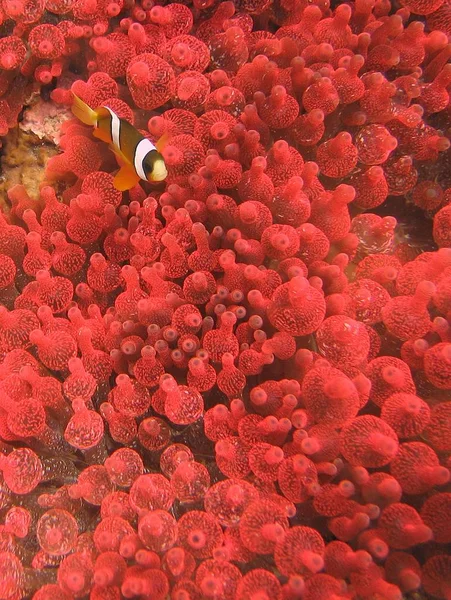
[159, 172]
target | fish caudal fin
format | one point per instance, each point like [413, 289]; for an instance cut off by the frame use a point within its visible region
[126, 179]
[82, 111]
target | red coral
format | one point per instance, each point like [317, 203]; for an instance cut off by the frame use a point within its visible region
[46, 41]
[329, 395]
[22, 470]
[216, 312]
[151, 80]
[199, 533]
[434, 513]
[402, 526]
[417, 468]
[12, 52]
[186, 52]
[338, 156]
[436, 575]
[304, 543]
[437, 431]
[259, 581]
[296, 307]
[81, 156]
[406, 413]
[173, 20]
[368, 441]
[407, 317]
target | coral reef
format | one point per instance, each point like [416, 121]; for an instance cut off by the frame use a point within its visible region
[234, 384]
[22, 162]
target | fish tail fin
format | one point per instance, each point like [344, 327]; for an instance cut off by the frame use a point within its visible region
[82, 111]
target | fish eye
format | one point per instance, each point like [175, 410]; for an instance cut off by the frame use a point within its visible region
[148, 166]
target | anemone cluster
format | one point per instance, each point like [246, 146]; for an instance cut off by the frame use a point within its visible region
[234, 385]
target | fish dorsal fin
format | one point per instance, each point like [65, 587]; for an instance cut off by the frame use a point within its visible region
[83, 112]
[126, 178]
[162, 142]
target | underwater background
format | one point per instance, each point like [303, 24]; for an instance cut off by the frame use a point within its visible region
[233, 384]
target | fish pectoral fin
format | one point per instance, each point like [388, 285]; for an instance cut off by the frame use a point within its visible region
[126, 178]
[121, 158]
[100, 134]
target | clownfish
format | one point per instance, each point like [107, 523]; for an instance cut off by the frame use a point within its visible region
[137, 156]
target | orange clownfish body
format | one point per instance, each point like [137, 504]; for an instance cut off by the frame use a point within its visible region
[138, 157]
